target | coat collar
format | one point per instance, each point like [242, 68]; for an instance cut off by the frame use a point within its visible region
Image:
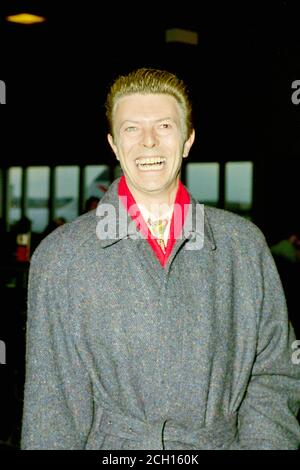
[114, 223]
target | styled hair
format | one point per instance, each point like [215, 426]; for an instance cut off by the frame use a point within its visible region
[150, 81]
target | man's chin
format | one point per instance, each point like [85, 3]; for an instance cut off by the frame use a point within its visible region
[151, 189]
[148, 185]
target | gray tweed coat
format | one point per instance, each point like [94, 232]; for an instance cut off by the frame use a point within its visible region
[123, 354]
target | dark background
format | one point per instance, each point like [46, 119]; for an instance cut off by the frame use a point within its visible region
[239, 75]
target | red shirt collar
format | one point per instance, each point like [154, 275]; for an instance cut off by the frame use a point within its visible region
[181, 204]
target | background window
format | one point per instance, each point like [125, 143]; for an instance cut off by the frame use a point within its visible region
[238, 186]
[14, 194]
[203, 182]
[96, 181]
[37, 207]
[66, 183]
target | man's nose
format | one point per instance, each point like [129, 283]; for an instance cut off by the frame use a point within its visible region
[149, 138]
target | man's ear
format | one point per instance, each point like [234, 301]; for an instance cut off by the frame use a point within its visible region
[188, 144]
[112, 144]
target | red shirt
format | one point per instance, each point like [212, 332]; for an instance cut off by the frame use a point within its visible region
[181, 204]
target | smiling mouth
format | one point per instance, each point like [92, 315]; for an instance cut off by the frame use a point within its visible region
[154, 163]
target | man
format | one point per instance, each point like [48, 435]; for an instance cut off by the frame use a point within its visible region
[141, 340]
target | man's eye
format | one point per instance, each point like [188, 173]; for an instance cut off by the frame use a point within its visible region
[130, 129]
[165, 125]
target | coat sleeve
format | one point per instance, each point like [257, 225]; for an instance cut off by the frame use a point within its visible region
[267, 416]
[58, 404]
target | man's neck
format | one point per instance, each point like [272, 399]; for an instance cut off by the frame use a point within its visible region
[155, 203]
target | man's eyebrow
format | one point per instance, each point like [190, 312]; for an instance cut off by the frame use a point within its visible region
[129, 120]
[165, 119]
[155, 120]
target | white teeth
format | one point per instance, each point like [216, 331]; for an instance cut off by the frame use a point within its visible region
[149, 161]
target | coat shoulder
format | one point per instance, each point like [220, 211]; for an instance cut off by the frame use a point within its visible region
[65, 241]
[227, 226]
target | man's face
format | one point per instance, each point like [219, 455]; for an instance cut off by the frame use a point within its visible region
[149, 141]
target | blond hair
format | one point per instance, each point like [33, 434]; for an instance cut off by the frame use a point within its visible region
[148, 81]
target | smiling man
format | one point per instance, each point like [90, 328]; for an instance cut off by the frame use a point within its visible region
[146, 339]
[150, 139]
